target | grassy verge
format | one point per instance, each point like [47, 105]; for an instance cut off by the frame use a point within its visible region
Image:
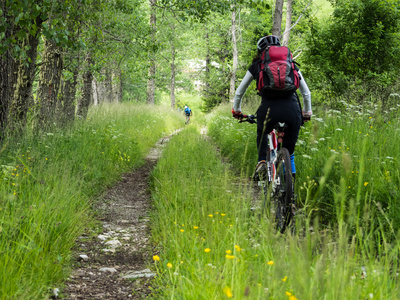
[48, 181]
[346, 158]
[210, 246]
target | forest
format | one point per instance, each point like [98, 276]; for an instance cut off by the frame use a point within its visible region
[87, 87]
[60, 57]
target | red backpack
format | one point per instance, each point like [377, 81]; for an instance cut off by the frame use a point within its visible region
[278, 77]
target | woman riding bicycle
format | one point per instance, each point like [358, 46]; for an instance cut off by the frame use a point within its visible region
[273, 108]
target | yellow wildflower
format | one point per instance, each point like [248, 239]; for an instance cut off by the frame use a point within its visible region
[238, 249]
[292, 297]
[270, 263]
[169, 265]
[195, 227]
[207, 250]
[288, 294]
[156, 258]
[210, 216]
[229, 256]
[228, 252]
[228, 292]
[182, 230]
[223, 215]
[284, 279]
[366, 183]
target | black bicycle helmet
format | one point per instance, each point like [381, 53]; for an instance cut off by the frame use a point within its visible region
[269, 40]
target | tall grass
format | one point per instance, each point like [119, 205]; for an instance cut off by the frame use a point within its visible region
[352, 152]
[48, 184]
[212, 246]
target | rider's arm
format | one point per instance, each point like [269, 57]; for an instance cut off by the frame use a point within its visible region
[241, 90]
[305, 92]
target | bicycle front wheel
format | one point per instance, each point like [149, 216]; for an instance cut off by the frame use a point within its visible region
[283, 194]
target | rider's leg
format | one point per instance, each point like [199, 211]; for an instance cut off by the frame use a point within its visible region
[262, 131]
[293, 167]
[289, 112]
[262, 140]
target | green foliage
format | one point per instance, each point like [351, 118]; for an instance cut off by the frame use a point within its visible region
[199, 10]
[48, 182]
[358, 47]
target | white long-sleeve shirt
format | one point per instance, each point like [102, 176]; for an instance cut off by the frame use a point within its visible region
[248, 78]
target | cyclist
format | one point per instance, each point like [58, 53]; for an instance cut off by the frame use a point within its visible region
[188, 113]
[273, 110]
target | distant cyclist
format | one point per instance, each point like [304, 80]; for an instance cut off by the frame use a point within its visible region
[279, 103]
[188, 113]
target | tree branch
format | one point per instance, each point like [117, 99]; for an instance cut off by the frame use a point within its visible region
[298, 20]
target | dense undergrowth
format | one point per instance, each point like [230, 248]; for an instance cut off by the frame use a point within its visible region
[211, 246]
[48, 183]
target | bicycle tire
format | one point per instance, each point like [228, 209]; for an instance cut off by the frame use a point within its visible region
[283, 194]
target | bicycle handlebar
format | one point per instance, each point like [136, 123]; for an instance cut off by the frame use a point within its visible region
[249, 118]
[252, 119]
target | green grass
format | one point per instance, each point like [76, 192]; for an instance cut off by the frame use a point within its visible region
[49, 182]
[210, 246]
[351, 152]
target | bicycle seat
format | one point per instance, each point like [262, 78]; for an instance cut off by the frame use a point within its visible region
[280, 126]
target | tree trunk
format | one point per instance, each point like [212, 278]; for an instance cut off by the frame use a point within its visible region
[116, 81]
[104, 87]
[101, 88]
[22, 98]
[276, 27]
[173, 68]
[7, 71]
[108, 85]
[235, 56]
[85, 100]
[94, 91]
[67, 94]
[223, 54]
[208, 63]
[49, 82]
[286, 36]
[152, 69]
[7, 67]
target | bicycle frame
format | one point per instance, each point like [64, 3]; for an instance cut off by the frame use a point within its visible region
[279, 186]
[274, 142]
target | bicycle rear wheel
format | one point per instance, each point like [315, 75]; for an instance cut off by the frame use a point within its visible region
[283, 194]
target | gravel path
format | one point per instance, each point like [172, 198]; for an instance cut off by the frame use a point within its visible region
[112, 263]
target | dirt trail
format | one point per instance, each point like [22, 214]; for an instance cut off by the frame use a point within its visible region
[112, 262]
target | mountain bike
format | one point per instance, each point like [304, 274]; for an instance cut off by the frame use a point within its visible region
[277, 183]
